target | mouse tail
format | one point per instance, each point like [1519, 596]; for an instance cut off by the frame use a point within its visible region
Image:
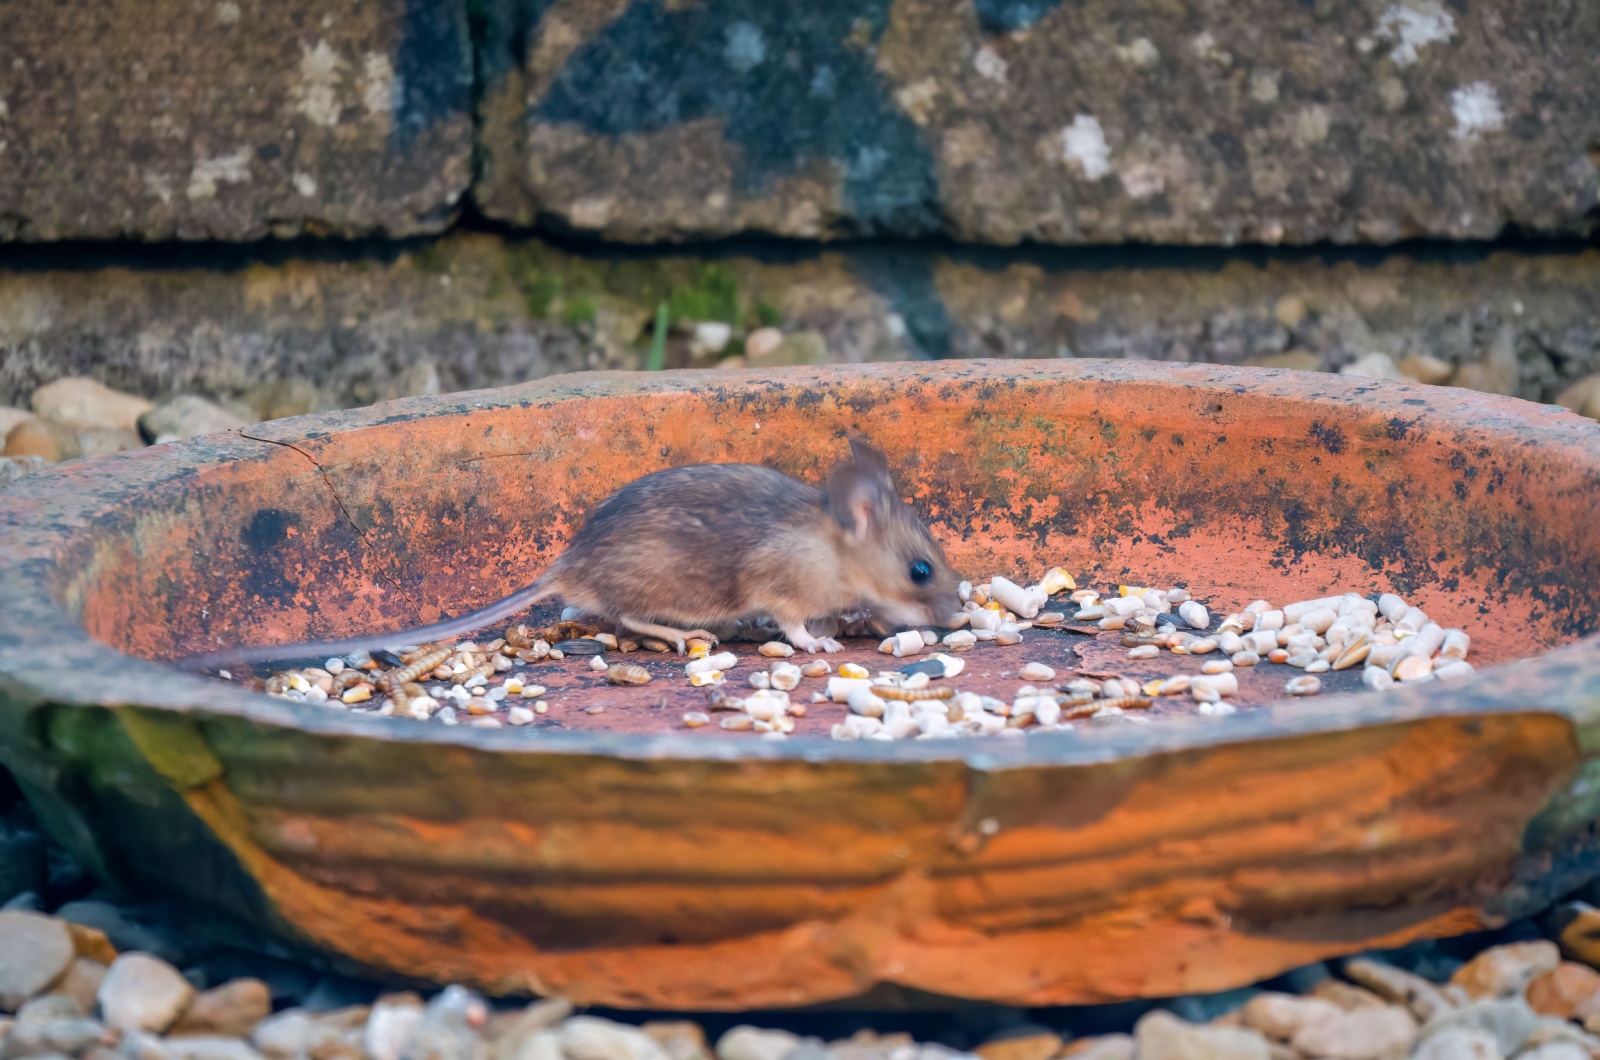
[546, 586]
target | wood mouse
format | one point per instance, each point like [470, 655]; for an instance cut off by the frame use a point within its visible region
[715, 543]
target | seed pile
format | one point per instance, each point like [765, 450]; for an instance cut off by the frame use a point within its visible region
[487, 684]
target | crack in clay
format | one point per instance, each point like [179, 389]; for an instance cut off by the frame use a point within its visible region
[338, 500]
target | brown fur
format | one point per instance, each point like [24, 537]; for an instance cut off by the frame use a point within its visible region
[713, 543]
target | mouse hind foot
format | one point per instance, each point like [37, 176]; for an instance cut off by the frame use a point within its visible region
[675, 637]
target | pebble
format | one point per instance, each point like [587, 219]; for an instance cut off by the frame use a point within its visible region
[1459, 1045]
[1504, 971]
[1282, 1016]
[1162, 1036]
[1509, 1020]
[1364, 1034]
[229, 1011]
[143, 993]
[750, 1043]
[1564, 991]
[35, 951]
[593, 1038]
[391, 1025]
[187, 416]
[78, 399]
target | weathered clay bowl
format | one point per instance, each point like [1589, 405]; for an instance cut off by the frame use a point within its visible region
[707, 870]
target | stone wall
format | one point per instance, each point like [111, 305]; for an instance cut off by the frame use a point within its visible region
[470, 183]
[474, 310]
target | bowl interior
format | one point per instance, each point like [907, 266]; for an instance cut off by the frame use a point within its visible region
[1237, 484]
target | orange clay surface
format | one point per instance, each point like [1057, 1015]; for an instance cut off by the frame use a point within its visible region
[619, 859]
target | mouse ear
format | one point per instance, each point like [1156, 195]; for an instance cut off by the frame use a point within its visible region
[869, 459]
[860, 494]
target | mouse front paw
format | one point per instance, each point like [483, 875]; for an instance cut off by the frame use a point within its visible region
[825, 644]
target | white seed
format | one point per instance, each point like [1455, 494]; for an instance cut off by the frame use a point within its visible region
[915, 681]
[785, 676]
[964, 591]
[1268, 620]
[1260, 643]
[1455, 645]
[1037, 672]
[1217, 666]
[1376, 678]
[1194, 614]
[1203, 691]
[1353, 655]
[1302, 660]
[598, 664]
[1113, 622]
[1217, 709]
[1244, 658]
[704, 678]
[776, 649]
[541, 707]
[1410, 622]
[1144, 651]
[738, 722]
[1410, 668]
[334, 666]
[1084, 597]
[1303, 686]
[1257, 608]
[724, 661]
[1013, 597]
[1320, 620]
[519, 716]
[1201, 645]
[1230, 643]
[1296, 611]
[817, 668]
[761, 679]
[1122, 605]
[1392, 607]
[1453, 669]
[960, 640]
[532, 691]
[1318, 666]
[1056, 580]
[1177, 596]
[839, 688]
[1428, 640]
[908, 643]
[952, 665]
[1008, 636]
[1092, 613]
[984, 619]
[1047, 711]
[1384, 655]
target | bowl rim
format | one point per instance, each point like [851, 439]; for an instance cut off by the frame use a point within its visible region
[45, 657]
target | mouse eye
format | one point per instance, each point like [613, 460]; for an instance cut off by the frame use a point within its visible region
[921, 571]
